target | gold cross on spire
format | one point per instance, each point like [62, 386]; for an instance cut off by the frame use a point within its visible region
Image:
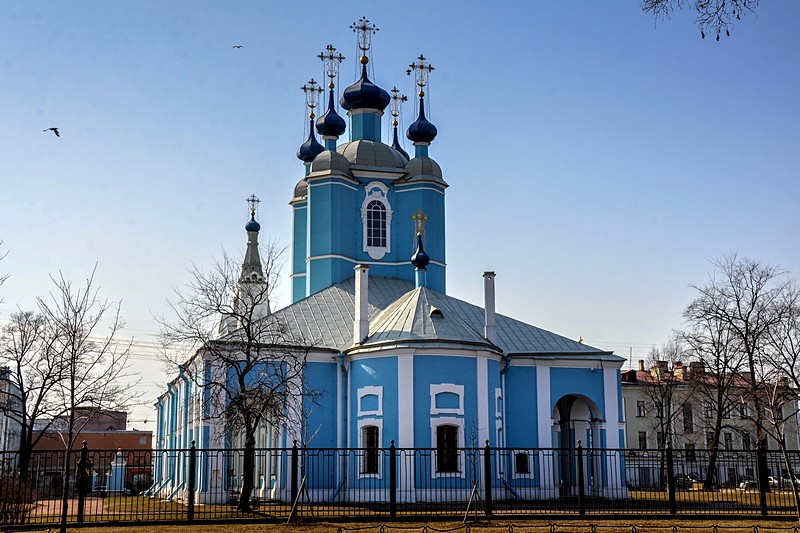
[419, 219]
[253, 202]
[421, 73]
[364, 30]
[331, 60]
[312, 91]
[397, 100]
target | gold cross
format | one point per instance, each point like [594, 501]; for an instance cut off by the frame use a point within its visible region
[253, 202]
[421, 72]
[397, 99]
[312, 91]
[365, 30]
[331, 61]
[419, 219]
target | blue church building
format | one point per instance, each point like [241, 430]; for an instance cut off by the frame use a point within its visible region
[396, 359]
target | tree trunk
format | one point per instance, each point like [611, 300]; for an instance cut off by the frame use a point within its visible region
[790, 470]
[248, 467]
[65, 486]
[708, 483]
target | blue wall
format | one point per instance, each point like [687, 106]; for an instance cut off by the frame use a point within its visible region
[522, 419]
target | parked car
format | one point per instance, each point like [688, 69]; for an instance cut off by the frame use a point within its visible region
[684, 481]
[748, 483]
[100, 488]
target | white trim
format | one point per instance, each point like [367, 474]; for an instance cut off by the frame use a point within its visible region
[451, 388]
[360, 262]
[544, 430]
[331, 181]
[366, 422]
[498, 396]
[405, 402]
[370, 390]
[459, 423]
[588, 361]
[433, 188]
[376, 192]
[482, 372]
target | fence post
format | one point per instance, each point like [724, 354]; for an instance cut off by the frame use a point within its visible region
[293, 472]
[83, 466]
[192, 481]
[487, 478]
[581, 487]
[392, 481]
[673, 506]
[763, 480]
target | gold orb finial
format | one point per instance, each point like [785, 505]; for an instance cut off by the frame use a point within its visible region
[364, 60]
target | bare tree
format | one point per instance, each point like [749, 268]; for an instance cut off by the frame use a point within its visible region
[749, 301]
[94, 368]
[716, 382]
[34, 372]
[714, 17]
[250, 369]
[665, 391]
[782, 395]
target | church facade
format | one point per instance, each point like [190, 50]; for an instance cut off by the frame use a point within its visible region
[396, 359]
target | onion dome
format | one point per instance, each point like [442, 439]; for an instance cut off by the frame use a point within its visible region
[331, 162]
[311, 148]
[421, 130]
[301, 189]
[252, 225]
[364, 94]
[331, 124]
[420, 259]
[396, 145]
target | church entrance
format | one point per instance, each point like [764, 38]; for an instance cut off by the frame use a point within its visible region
[576, 418]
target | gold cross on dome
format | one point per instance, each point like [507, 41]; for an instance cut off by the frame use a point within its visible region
[364, 29]
[419, 219]
[331, 60]
[397, 100]
[253, 202]
[421, 72]
[312, 91]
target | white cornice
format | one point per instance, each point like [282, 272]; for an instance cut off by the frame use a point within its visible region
[350, 259]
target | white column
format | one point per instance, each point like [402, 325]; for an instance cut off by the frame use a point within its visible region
[361, 319]
[483, 400]
[611, 404]
[405, 427]
[544, 431]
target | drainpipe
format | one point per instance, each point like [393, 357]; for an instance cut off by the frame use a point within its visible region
[343, 469]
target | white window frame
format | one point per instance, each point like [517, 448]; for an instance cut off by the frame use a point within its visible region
[452, 388]
[461, 457]
[377, 422]
[370, 390]
[523, 475]
[376, 190]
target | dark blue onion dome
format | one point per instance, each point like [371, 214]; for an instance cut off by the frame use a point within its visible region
[396, 143]
[364, 94]
[311, 148]
[252, 225]
[421, 130]
[420, 259]
[331, 124]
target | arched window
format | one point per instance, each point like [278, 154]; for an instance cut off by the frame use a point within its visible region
[376, 224]
[376, 218]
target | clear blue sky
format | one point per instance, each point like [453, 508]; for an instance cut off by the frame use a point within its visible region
[596, 160]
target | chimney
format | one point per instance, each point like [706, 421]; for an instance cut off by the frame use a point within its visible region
[361, 320]
[697, 369]
[678, 370]
[490, 329]
[641, 365]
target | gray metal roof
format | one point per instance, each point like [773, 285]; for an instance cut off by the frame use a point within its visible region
[400, 312]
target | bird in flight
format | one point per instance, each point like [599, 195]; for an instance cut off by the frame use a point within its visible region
[54, 130]
[238, 46]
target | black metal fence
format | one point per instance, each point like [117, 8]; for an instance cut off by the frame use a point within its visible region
[384, 483]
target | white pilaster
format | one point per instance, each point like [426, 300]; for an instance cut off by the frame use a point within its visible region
[405, 426]
[611, 404]
[482, 372]
[545, 431]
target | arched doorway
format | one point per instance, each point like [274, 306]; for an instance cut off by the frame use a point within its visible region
[577, 419]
